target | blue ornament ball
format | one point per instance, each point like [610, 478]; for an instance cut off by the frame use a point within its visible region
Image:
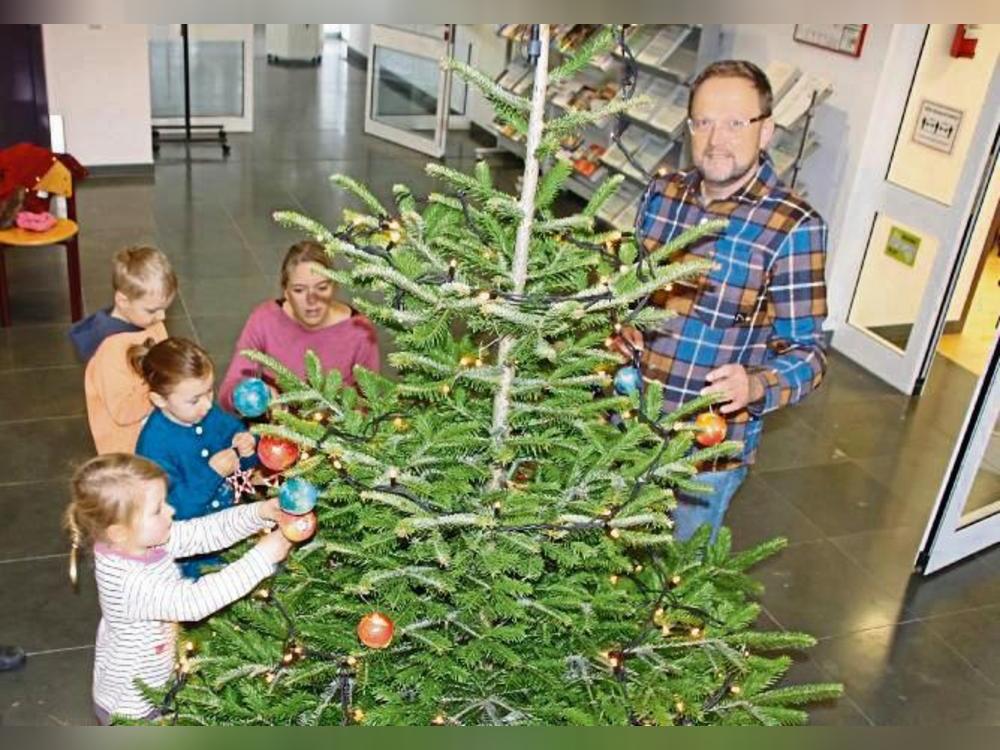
[628, 380]
[251, 397]
[297, 496]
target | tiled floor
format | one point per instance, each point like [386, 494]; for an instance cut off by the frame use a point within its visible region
[848, 476]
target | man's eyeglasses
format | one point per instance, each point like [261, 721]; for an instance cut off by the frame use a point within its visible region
[702, 125]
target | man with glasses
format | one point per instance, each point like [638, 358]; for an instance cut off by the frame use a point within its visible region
[750, 329]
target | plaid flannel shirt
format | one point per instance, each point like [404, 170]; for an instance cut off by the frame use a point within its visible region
[763, 306]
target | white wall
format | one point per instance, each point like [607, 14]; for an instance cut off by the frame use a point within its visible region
[357, 35]
[959, 83]
[98, 81]
[840, 121]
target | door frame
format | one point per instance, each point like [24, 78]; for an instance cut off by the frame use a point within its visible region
[872, 194]
[389, 37]
[947, 539]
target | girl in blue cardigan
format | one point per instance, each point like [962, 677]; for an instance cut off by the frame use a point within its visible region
[196, 443]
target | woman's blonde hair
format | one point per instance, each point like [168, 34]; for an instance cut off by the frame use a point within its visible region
[165, 365]
[307, 251]
[105, 490]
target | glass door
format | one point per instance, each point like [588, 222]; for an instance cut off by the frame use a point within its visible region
[913, 202]
[966, 518]
[221, 75]
[408, 95]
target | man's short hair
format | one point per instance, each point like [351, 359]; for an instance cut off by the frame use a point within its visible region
[737, 69]
[140, 270]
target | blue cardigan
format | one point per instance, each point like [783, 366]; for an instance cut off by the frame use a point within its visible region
[182, 451]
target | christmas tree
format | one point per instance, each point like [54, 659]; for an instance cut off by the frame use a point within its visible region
[493, 542]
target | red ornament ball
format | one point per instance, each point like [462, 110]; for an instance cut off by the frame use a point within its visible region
[375, 630]
[277, 454]
[711, 429]
[297, 528]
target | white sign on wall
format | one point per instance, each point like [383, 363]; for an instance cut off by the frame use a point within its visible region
[937, 126]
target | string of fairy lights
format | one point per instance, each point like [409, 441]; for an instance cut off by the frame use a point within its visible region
[358, 235]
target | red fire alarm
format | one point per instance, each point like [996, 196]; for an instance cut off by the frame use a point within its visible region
[964, 43]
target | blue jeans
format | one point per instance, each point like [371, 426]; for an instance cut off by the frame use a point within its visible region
[710, 507]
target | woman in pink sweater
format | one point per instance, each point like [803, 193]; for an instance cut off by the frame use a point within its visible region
[306, 317]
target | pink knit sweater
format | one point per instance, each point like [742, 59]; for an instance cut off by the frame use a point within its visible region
[269, 329]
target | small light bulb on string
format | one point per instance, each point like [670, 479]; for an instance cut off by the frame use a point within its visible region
[679, 705]
[675, 581]
[614, 579]
[479, 362]
[189, 647]
[338, 464]
[393, 476]
[466, 361]
[452, 265]
[359, 715]
[288, 657]
[615, 533]
[399, 423]
[637, 569]
[665, 628]
[696, 632]
[303, 455]
[270, 677]
[318, 416]
[438, 720]
[609, 342]
[483, 296]
[497, 506]
[445, 389]
[351, 661]
[263, 594]
[735, 689]
[618, 327]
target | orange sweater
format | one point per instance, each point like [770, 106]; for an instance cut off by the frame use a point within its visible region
[117, 398]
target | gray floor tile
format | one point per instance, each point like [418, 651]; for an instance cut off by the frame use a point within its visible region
[235, 296]
[53, 689]
[44, 448]
[60, 617]
[41, 392]
[758, 514]
[908, 675]
[841, 499]
[32, 513]
[888, 556]
[815, 588]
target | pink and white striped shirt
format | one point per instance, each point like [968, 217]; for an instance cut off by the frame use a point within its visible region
[143, 598]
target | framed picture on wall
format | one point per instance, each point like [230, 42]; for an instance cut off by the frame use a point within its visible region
[845, 38]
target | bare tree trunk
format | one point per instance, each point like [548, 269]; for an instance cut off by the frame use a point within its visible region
[529, 186]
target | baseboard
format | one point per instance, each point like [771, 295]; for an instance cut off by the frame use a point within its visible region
[103, 171]
[357, 59]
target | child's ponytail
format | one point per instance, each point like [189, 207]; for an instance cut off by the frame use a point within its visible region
[137, 353]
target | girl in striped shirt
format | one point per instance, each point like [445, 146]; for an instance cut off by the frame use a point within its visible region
[119, 504]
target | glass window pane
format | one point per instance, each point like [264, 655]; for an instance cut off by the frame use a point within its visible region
[896, 270]
[216, 74]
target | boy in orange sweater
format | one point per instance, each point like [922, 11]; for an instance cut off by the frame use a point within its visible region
[117, 398]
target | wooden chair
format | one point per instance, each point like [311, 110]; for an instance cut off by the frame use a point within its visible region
[58, 181]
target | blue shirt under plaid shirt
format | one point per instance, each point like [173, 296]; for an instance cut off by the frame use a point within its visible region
[762, 306]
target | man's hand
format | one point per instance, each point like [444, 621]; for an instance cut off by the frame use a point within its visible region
[244, 444]
[621, 340]
[736, 386]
